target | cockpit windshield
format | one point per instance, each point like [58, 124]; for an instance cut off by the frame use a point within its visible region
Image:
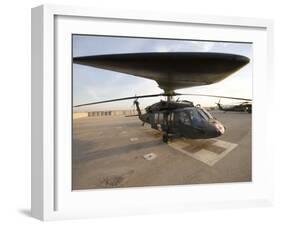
[205, 114]
[198, 116]
[195, 117]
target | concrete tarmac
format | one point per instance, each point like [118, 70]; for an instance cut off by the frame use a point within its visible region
[117, 151]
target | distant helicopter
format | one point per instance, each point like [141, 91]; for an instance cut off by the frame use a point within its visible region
[241, 107]
[173, 70]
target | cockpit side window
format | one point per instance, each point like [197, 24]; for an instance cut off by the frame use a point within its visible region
[195, 117]
[184, 118]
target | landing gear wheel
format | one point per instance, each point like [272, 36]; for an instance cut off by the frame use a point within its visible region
[165, 138]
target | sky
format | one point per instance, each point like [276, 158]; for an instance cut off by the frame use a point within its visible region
[92, 84]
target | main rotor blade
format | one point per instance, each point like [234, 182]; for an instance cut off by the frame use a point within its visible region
[171, 70]
[161, 94]
[206, 95]
[120, 99]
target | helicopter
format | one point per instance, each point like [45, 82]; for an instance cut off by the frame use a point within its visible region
[172, 71]
[241, 107]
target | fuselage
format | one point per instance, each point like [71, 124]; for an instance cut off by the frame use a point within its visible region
[182, 120]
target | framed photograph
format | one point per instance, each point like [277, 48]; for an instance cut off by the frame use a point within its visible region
[137, 112]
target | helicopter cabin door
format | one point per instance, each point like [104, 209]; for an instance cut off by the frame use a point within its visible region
[167, 123]
[161, 121]
[183, 124]
[158, 121]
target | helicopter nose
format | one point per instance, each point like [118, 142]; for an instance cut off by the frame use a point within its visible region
[219, 127]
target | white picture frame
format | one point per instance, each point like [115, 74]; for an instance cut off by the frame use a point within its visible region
[52, 197]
